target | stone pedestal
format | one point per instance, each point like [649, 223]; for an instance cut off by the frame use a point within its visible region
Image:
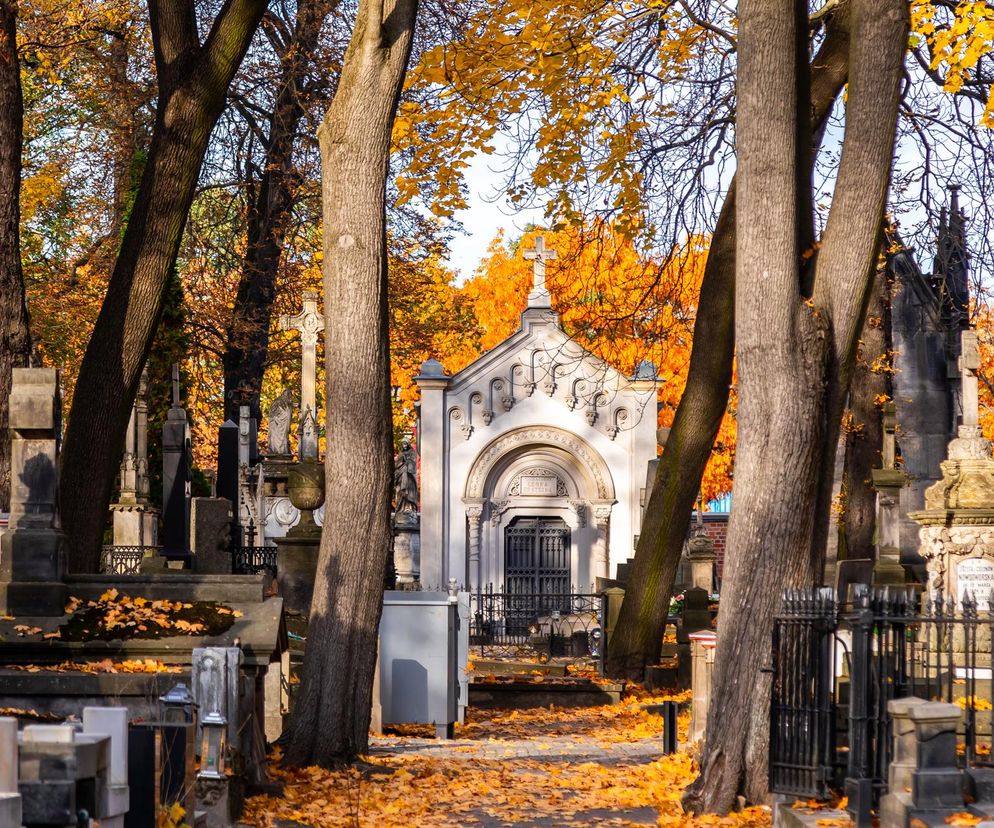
[924, 781]
[407, 553]
[702, 647]
[701, 555]
[32, 550]
[887, 569]
[135, 525]
[297, 558]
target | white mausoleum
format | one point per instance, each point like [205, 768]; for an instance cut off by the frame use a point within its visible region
[533, 460]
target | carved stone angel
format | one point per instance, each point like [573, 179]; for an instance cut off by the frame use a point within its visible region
[405, 482]
[280, 416]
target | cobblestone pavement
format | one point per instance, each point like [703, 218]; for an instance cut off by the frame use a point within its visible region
[565, 748]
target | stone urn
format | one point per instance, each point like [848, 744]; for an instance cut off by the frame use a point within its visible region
[305, 486]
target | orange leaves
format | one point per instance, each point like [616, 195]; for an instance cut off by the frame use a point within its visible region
[119, 616]
[146, 665]
[962, 818]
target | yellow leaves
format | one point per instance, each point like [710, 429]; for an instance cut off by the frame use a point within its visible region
[958, 43]
[170, 816]
[24, 629]
[975, 702]
[120, 616]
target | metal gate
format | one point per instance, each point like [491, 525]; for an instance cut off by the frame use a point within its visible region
[536, 565]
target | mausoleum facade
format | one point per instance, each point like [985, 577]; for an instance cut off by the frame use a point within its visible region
[533, 460]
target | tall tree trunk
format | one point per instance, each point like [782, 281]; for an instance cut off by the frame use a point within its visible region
[330, 720]
[248, 330]
[864, 429]
[193, 79]
[15, 335]
[795, 352]
[636, 640]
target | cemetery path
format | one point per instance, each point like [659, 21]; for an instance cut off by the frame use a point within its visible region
[592, 766]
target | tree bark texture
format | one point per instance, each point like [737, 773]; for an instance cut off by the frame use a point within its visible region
[193, 79]
[330, 719]
[795, 353]
[15, 334]
[248, 330]
[864, 433]
[637, 637]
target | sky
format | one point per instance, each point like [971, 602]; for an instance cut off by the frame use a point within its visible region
[488, 212]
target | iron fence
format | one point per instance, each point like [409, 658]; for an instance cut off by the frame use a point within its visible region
[125, 560]
[836, 666]
[554, 624]
[247, 560]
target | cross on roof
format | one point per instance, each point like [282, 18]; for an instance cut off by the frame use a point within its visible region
[539, 296]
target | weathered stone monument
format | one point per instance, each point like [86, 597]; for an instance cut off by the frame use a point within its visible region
[136, 523]
[32, 550]
[957, 534]
[298, 549]
[888, 482]
[406, 520]
[176, 460]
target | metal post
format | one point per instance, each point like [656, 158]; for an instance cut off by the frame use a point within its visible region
[859, 785]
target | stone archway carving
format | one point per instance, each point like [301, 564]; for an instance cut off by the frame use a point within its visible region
[587, 458]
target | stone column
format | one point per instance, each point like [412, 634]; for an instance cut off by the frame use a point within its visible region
[474, 511]
[702, 646]
[432, 383]
[602, 544]
[32, 550]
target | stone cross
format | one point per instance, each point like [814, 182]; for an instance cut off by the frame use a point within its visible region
[969, 364]
[310, 323]
[539, 296]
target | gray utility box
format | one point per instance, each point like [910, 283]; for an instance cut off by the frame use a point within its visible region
[419, 676]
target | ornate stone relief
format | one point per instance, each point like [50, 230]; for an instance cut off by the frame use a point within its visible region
[497, 508]
[539, 435]
[580, 507]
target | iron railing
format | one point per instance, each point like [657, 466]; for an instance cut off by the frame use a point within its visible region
[528, 623]
[247, 560]
[835, 668]
[125, 560]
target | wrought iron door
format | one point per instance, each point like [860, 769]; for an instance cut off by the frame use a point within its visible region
[536, 570]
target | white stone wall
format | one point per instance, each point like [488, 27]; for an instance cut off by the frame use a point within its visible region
[535, 402]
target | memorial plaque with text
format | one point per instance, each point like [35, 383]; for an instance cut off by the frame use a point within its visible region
[542, 486]
[975, 576]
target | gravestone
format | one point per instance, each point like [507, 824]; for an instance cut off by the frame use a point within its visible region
[211, 541]
[32, 550]
[228, 461]
[176, 458]
[888, 481]
[135, 521]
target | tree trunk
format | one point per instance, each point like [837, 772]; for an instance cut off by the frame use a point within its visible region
[795, 352]
[193, 81]
[865, 429]
[15, 335]
[637, 637]
[330, 720]
[248, 330]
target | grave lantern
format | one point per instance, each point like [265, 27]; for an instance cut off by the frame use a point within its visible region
[177, 706]
[213, 745]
